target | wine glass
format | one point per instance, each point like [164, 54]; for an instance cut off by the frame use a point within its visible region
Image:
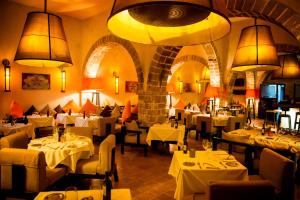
[207, 145]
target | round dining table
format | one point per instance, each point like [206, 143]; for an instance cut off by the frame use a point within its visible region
[66, 152]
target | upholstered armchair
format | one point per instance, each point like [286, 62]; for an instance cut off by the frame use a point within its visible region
[180, 115]
[24, 172]
[97, 165]
[235, 123]
[82, 131]
[204, 126]
[15, 140]
[106, 126]
[134, 135]
[280, 171]
[241, 190]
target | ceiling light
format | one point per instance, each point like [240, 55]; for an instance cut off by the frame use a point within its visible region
[289, 67]
[43, 42]
[175, 22]
[256, 50]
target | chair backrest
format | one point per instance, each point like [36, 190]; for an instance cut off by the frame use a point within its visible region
[241, 190]
[15, 140]
[204, 124]
[179, 114]
[82, 131]
[234, 123]
[107, 153]
[106, 126]
[280, 171]
[34, 173]
[188, 120]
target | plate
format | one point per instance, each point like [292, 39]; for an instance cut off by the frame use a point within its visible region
[231, 164]
[189, 164]
[55, 196]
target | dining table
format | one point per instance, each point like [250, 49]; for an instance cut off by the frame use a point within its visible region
[116, 194]
[66, 119]
[276, 141]
[38, 121]
[91, 121]
[193, 173]
[166, 133]
[67, 151]
[8, 128]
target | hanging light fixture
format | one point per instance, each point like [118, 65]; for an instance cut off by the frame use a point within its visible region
[290, 68]
[175, 22]
[43, 42]
[256, 50]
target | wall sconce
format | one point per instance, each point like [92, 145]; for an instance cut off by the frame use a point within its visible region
[63, 80]
[116, 82]
[6, 64]
[198, 86]
[180, 87]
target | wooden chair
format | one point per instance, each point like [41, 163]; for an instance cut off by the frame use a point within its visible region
[15, 140]
[98, 165]
[24, 173]
[241, 190]
[82, 131]
[134, 136]
[279, 170]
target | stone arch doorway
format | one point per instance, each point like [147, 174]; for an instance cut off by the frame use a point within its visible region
[105, 59]
[111, 39]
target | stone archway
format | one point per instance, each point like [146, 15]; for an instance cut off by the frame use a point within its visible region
[130, 49]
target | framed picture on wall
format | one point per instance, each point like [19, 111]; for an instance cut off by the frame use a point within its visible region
[187, 87]
[131, 86]
[32, 81]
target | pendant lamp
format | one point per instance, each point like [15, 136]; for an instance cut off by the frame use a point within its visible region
[256, 50]
[169, 22]
[43, 42]
[290, 68]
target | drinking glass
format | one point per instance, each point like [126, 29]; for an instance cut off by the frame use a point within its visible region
[207, 145]
[71, 193]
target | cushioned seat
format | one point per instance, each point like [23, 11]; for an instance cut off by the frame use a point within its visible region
[129, 138]
[15, 140]
[98, 165]
[35, 174]
[279, 170]
[241, 190]
[106, 126]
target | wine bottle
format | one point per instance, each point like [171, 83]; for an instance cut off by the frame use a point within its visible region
[176, 123]
[83, 114]
[70, 112]
[263, 129]
[48, 113]
[107, 187]
[184, 148]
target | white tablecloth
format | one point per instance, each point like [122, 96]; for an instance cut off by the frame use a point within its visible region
[164, 132]
[8, 129]
[66, 153]
[208, 165]
[40, 121]
[116, 194]
[92, 122]
[65, 119]
[274, 141]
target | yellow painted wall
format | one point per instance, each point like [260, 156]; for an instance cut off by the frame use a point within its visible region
[12, 18]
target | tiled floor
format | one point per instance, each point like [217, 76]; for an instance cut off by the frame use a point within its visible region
[147, 177]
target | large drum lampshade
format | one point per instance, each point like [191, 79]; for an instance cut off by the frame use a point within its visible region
[169, 22]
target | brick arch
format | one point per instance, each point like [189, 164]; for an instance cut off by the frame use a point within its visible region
[272, 11]
[125, 44]
[187, 58]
